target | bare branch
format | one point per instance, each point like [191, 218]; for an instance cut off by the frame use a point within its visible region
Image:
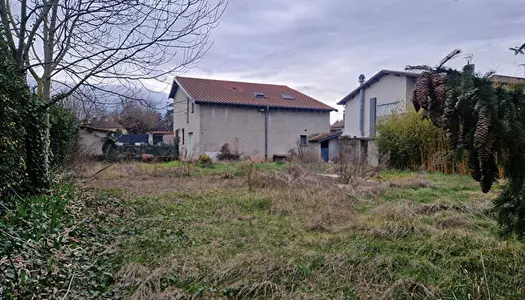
[518, 50]
[447, 58]
[93, 42]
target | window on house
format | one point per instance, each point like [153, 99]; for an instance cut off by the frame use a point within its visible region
[188, 110]
[258, 94]
[182, 138]
[304, 140]
[192, 107]
[387, 108]
[287, 97]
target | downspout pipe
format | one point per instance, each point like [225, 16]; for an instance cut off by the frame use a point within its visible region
[266, 112]
[362, 105]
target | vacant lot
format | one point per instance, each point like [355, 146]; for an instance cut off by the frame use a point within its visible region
[279, 231]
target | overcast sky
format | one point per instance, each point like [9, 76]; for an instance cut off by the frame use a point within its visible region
[321, 46]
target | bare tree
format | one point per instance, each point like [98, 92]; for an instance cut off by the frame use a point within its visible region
[138, 119]
[88, 42]
[100, 43]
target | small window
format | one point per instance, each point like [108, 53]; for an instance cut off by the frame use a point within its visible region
[287, 97]
[182, 136]
[258, 95]
[304, 140]
[192, 107]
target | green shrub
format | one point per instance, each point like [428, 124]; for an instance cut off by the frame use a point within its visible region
[412, 142]
[205, 161]
[13, 90]
[63, 134]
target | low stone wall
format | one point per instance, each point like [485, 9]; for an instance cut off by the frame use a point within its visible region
[358, 150]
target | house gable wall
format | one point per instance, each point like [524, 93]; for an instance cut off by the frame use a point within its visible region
[389, 89]
[222, 124]
[183, 118]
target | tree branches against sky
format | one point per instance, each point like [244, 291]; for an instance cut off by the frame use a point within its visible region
[107, 42]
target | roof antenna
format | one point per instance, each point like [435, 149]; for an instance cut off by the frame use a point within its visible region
[468, 57]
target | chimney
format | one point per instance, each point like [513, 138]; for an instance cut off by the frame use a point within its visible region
[361, 79]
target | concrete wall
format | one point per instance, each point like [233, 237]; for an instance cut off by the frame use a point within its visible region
[389, 89]
[91, 141]
[286, 127]
[221, 125]
[225, 124]
[333, 149]
[191, 125]
[358, 151]
[168, 139]
[313, 150]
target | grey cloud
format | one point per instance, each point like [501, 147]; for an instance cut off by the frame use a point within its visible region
[321, 46]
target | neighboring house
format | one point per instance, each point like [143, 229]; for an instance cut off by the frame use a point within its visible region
[384, 93]
[254, 119]
[506, 80]
[106, 124]
[326, 144]
[337, 126]
[92, 139]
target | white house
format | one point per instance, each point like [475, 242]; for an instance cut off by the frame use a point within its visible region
[255, 119]
[378, 96]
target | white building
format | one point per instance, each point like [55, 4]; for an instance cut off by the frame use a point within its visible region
[259, 120]
[378, 96]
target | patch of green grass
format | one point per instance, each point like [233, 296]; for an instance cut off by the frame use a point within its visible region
[430, 238]
[169, 164]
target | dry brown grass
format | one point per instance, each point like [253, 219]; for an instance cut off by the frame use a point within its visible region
[299, 235]
[139, 179]
[147, 282]
[454, 222]
[134, 170]
[411, 182]
[409, 289]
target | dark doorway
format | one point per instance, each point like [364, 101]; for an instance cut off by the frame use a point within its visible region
[324, 150]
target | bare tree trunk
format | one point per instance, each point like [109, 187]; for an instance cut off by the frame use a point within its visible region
[37, 133]
[97, 44]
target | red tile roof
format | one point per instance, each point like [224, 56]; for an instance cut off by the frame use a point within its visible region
[338, 125]
[242, 93]
[502, 79]
[318, 138]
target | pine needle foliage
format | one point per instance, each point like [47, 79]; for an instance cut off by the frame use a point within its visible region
[487, 122]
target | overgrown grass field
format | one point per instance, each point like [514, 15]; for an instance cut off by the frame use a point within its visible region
[278, 231]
